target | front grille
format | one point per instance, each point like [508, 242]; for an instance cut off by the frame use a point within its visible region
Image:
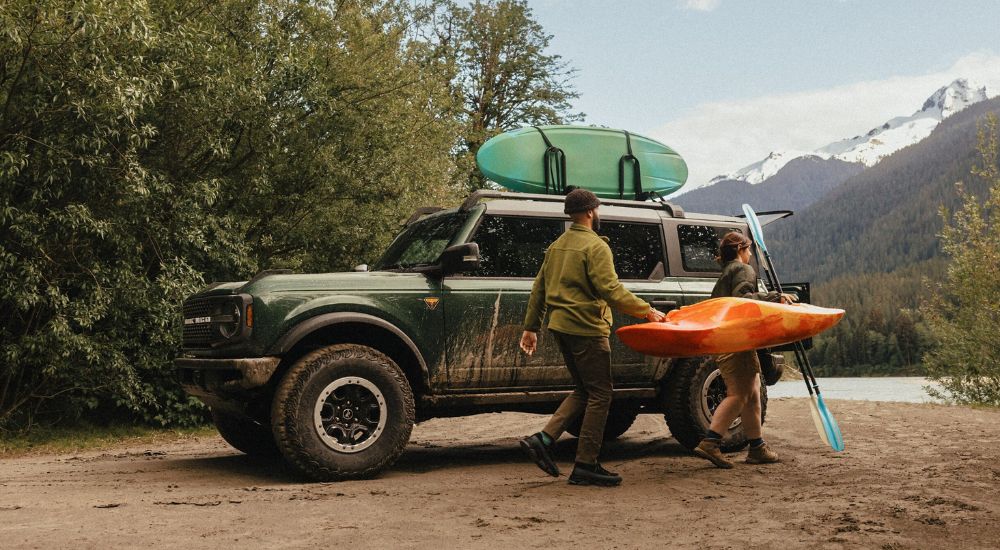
[200, 336]
[199, 307]
[203, 333]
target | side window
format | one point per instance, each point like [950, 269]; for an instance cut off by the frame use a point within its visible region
[699, 246]
[512, 246]
[637, 248]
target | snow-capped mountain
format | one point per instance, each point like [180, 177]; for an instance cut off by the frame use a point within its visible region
[879, 142]
[761, 170]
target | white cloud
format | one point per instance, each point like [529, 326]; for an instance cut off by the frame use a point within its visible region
[700, 5]
[724, 136]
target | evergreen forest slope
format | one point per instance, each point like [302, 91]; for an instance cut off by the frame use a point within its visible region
[868, 244]
[797, 185]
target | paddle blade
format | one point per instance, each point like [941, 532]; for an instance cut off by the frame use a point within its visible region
[833, 429]
[820, 428]
[755, 228]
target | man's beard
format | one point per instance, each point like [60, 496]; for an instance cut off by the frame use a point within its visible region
[596, 224]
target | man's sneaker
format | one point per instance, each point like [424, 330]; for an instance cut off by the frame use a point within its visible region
[762, 455]
[538, 452]
[709, 450]
[584, 474]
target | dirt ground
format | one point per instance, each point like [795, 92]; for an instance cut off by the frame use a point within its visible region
[913, 476]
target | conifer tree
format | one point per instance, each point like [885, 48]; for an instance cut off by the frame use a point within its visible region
[961, 310]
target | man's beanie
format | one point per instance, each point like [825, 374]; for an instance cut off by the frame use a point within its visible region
[580, 200]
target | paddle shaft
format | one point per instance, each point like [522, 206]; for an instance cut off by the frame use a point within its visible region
[828, 428]
[800, 352]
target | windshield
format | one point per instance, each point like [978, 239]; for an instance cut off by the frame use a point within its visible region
[422, 242]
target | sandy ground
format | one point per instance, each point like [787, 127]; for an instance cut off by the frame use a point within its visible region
[913, 476]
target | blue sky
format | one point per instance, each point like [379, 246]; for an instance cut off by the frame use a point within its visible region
[727, 81]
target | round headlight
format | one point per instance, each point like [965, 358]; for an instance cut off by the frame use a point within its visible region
[230, 325]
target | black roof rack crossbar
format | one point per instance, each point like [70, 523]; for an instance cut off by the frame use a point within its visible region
[477, 196]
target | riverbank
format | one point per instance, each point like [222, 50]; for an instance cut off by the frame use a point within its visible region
[913, 476]
[902, 389]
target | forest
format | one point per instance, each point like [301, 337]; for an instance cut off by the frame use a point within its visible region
[150, 148]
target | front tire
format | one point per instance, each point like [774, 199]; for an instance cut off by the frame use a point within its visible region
[343, 412]
[693, 390]
[245, 434]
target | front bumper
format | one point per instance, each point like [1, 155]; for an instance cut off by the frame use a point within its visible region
[208, 378]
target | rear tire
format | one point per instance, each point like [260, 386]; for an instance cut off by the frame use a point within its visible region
[343, 412]
[691, 393]
[245, 434]
[621, 415]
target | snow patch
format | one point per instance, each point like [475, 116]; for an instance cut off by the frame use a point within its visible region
[879, 142]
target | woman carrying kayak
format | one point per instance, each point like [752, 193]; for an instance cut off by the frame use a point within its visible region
[740, 371]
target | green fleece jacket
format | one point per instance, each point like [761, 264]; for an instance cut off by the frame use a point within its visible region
[739, 280]
[576, 283]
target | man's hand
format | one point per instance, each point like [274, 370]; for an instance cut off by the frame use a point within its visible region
[529, 341]
[655, 316]
[788, 298]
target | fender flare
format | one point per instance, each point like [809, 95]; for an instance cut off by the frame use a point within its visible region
[307, 327]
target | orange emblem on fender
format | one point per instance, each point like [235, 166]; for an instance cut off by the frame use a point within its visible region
[432, 303]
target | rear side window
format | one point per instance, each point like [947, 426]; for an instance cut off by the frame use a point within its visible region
[637, 248]
[700, 245]
[512, 246]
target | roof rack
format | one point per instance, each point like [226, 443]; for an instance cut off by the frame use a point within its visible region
[477, 196]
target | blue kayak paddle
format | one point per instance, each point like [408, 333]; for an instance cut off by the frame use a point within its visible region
[828, 428]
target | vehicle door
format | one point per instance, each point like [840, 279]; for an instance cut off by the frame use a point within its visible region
[484, 310]
[692, 251]
[640, 260]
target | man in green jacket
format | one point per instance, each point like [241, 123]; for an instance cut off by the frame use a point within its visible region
[575, 285]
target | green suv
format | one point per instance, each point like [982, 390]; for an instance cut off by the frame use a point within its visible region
[331, 370]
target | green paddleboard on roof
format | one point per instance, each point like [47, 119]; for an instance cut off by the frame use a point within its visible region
[611, 163]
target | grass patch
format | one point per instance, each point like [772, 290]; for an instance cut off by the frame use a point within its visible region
[41, 441]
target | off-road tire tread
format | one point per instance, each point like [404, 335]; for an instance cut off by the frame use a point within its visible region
[244, 435]
[294, 383]
[677, 408]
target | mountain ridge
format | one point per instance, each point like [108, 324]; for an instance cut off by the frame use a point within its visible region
[878, 142]
[797, 185]
[886, 216]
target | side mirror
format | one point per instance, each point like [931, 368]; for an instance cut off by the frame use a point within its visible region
[459, 258]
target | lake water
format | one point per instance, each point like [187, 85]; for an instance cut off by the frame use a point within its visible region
[908, 389]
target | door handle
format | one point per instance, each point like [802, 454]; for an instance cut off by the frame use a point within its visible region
[664, 305]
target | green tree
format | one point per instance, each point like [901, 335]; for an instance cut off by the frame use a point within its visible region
[148, 148]
[503, 73]
[962, 311]
[352, 129]
[97, 245]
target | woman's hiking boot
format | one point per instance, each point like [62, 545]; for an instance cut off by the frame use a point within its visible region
[587, 474]
[709, 450]
[762, 455]
[536, 449]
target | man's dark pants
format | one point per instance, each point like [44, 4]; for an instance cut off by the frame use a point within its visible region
[588, 359]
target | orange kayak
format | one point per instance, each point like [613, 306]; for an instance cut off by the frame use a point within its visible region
[728, 325]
